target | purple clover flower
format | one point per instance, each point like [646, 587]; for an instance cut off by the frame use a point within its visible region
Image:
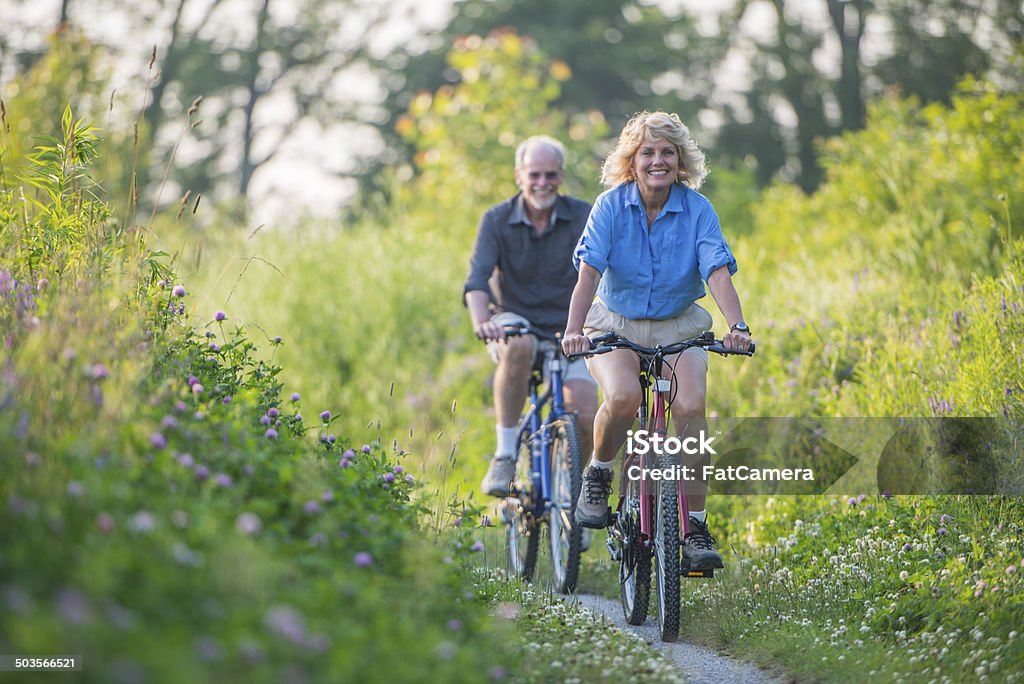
[312, 507]
[220, 316]
[271, 433]
[185, 460]
[273, 412]
[286, 622]
[226, 399]
[201, 472]
[349, 453]
[178, 291]
[941, 531]
[945, 519]
[852, 501]
[296, 396]
[366, 448]
[248, 523]
[158, 441]
[477, 546]
[223, 480]
[331, 439]
[98, 371]
[325, 416]
[398, 470]
[105, 523]
[168, 422]
[389, 477]
[410, 479]
[264, 420]
[362, 559]
[214, 347]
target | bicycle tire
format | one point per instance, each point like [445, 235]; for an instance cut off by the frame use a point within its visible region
[634, 557]
[666, 555]
[564, 533]
[522, 531]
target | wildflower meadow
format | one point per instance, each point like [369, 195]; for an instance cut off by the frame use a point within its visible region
[232, 454]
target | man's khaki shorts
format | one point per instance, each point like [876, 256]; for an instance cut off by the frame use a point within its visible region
[649, 332]
[571, 370]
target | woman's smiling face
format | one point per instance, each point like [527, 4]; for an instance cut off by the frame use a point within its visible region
[656, 165]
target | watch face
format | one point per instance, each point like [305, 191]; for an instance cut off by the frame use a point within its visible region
[741, 326]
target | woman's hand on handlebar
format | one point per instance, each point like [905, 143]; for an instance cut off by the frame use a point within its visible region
[574, 342]
[736, 341]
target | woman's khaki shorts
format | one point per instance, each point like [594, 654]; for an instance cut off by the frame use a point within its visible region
[650, 332]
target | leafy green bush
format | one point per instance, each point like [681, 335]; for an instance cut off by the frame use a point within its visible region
[167, 512]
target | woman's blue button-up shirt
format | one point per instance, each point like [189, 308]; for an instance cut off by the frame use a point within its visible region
[656, 273]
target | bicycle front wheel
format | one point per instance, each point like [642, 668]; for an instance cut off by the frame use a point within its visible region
[564, 533]
[522, 531]
[666, 555]
[634, 556]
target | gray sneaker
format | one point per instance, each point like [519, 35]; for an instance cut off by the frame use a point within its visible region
[592, 506]
[699, 547]
[499, 477]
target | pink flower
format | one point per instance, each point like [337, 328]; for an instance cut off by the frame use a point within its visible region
[362, 559]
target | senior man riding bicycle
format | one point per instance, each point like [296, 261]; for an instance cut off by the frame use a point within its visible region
[650, 241]
[521, 270]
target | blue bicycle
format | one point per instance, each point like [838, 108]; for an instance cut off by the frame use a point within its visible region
[549, 473]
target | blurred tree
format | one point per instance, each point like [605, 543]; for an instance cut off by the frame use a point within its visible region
[465, 135]
[805, 74]
[265, 70]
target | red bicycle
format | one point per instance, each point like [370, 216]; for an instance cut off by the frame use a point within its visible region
[645, 526]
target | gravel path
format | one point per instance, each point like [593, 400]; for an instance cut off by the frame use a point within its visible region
[698, 664]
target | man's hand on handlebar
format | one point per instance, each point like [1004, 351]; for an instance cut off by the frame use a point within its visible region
[574, 342]
[489, 330]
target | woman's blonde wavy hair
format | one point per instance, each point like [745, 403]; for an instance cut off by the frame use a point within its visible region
[618, 166]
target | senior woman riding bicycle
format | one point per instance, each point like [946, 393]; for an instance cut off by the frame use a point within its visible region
[649, 245]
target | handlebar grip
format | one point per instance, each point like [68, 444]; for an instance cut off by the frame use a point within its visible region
[719, 349]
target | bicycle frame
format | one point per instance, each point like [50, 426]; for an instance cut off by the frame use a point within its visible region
[531, 425]
[657, 402]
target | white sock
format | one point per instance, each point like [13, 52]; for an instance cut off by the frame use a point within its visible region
[506, 440]
[607, 465]
[701, 516]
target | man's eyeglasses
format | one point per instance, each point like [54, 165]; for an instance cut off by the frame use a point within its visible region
[547, 175]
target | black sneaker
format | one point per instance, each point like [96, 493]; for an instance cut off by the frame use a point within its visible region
[699, 547]
[592, 506]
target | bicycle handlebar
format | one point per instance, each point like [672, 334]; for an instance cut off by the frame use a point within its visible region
[513, 329]
[606, 342]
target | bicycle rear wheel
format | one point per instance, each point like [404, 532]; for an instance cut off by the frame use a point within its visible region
[522, 528]
[564, 533]
[666, 554]
[634, 557]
